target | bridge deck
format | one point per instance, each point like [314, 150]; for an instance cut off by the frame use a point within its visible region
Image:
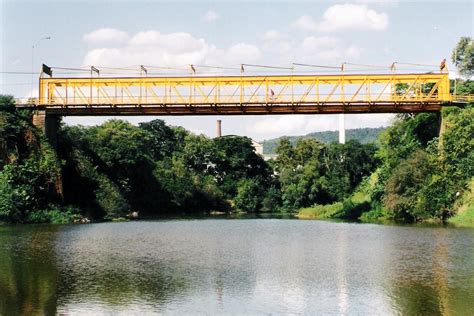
[233, 109]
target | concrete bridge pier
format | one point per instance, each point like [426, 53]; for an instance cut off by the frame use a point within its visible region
[48, 123]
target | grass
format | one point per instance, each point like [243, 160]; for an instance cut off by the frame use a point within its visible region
[350, 208]
[320, 211]
[465, 208]
[358, 206]
[53, 214]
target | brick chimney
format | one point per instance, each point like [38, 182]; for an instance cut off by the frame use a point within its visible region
[219, 128]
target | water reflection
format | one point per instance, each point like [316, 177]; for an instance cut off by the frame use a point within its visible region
[436, 275]
[236, 266]
[341, 271]
[28, 277]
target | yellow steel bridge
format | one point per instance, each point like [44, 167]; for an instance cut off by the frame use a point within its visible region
[243, 94]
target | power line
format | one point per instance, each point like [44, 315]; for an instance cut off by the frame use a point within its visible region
[15, 84]
[317, 66]
[18, 72]
[65, 68]
[215, 67]
[266, 66]
[370, 66]
[411, 64]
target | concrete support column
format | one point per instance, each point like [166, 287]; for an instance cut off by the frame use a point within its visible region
[342, 129]
[48, 123]
[443, 126]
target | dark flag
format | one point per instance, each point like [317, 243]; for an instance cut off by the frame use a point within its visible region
[442, 66]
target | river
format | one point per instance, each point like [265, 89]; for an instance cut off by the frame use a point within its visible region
[240, 266]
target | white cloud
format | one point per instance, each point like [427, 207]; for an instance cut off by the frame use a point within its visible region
[174, 49]
[276, 42]
[327, 48]
[282, 49]
[341, 17]
[105, 35]
[306, 23]
[243, 52]
[210, 16]
[313, 44]
[176, 43]
[352, 17]
[378, 2]
[272, 35]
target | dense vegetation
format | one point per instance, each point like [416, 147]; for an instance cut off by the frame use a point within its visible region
[362, 135]
[422, 174]
[30, 174]
[111, 170]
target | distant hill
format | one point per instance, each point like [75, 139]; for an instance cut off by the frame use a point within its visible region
[363, 135]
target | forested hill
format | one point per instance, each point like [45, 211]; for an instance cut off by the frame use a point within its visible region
[363, 135]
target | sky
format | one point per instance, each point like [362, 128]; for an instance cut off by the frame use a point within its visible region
[227, 33]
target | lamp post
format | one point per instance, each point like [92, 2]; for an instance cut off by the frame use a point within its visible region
[33, 60]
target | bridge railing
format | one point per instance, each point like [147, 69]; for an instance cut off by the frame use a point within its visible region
[224, 100]
[463, 98]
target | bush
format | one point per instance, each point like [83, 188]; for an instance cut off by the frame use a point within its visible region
[53, 214]
[7, 103]
[249, 195]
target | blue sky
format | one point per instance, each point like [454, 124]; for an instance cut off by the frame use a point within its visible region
[158, 33]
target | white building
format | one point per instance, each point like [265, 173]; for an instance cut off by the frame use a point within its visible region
[258, 147]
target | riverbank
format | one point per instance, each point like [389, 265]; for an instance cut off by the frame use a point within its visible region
[465, 209]
[358, 207]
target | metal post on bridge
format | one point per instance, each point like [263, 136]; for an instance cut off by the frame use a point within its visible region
[342, 124]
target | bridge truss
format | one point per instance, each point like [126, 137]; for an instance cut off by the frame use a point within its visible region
[242, 94]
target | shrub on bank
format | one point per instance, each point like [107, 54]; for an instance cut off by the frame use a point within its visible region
[464, 208]
[350, 208]
[54, 214]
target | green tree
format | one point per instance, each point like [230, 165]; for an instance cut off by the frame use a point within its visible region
[463, 57]
[458, 144]
[198, 152]
[235, 159]
[123, 151]
[285, 152]
[160, 137]
[403, 185]
[7, 103]
[315, 173]
[249, 195]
